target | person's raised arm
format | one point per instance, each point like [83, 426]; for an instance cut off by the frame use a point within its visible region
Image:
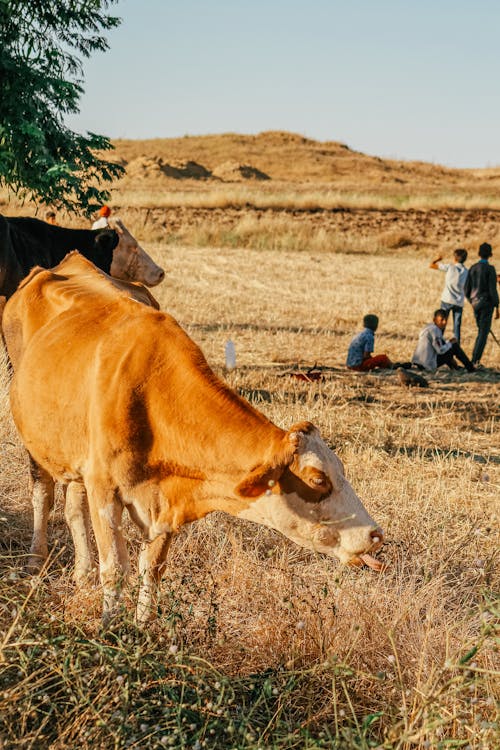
[434, 263]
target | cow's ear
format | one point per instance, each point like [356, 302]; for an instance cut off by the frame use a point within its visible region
[104, 244]
[264, 476]
[117, 225]
[260, 479]
[106, 240]
[297, 432]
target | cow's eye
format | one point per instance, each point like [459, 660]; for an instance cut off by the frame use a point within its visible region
[319, 481]
[304, 487]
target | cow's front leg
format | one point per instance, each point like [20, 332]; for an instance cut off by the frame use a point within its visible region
[42, 498]
[151, 566]
[106, 514]
[76, 511]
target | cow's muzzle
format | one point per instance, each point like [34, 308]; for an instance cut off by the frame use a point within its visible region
[366, 558]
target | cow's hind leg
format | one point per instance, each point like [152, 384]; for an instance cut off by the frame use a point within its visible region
[42, 498]
[152, 561]
[76, 511]
[106, 513]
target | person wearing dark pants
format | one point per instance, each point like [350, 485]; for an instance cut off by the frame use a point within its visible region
[433, 350]
[481, 291]
[448, 358]
[483, 316]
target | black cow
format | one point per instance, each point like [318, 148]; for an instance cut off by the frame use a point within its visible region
[26, 242]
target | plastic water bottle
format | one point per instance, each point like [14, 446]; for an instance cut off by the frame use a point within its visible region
[230, 353]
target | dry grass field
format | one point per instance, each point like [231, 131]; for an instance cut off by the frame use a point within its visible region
[260, 644]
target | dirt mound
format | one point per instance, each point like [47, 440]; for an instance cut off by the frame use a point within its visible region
[233, 171]
[145, 168]
[186, 170]
[154, 168]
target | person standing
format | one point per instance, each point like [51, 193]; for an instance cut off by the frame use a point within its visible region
[433, 350]
[453, 296]
[481, 291]
[102, 222]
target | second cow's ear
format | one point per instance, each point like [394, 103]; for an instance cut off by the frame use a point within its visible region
[116, 224]
[104, 244]
[106, 241]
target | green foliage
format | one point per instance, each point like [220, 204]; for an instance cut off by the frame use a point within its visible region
[42, 43]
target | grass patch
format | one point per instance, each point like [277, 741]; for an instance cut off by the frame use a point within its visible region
[62, 686]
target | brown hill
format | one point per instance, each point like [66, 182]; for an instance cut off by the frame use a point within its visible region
[291, 158]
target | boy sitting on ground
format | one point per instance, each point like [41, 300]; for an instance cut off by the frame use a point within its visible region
[360, 355]
[433, 350]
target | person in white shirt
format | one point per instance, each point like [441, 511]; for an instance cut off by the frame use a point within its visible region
[453, 296]
[102, 222]
[433, 350]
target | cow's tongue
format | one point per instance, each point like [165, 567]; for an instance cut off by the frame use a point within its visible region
[372, 562]
[367, 559]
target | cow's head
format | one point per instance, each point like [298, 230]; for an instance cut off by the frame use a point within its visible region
[129, 261]
[303, 493]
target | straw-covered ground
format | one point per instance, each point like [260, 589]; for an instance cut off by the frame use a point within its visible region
[258, 643]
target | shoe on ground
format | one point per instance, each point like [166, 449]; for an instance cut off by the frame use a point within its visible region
[404, 365]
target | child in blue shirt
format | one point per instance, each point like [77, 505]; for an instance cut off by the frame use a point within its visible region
[360, 355]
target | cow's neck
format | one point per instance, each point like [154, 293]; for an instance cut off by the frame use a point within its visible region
[64, 240]
[183, 501]
[211, 429]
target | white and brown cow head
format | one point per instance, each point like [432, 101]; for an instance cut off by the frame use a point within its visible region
[130, 261]
[303, 493]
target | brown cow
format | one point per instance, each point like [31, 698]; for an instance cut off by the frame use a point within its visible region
[136, 418]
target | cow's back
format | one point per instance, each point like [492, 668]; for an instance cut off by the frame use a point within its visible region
[63, 331]
[94, 367]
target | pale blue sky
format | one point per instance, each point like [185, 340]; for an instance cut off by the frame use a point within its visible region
[410, 79]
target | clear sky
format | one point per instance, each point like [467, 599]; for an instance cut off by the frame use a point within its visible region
[409, 79]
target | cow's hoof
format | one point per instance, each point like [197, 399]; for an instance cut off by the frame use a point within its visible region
[35, 564]
[85, 576]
